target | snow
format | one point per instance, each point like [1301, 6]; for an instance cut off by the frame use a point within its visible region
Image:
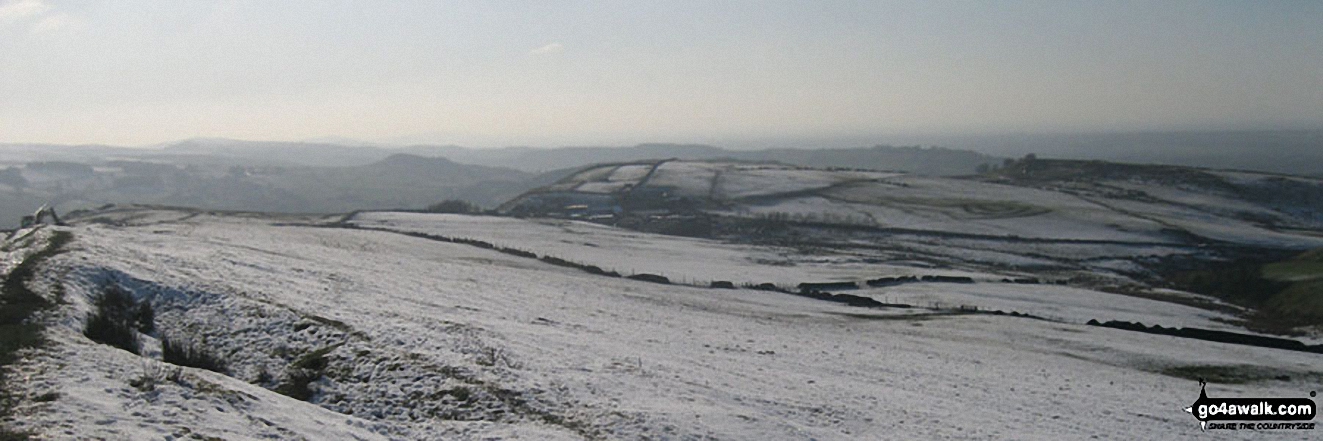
[96, 400]
[604, 187]
[611, 179]
[949, 205]
[1216, 227]
[553, 353]
[747, 181]
[939, 204]
[632, 173]
[573, 182]
[701, 261]
[1061, 303]
[1205, 199]
[721, 180]
[682, 259]
[1136, 212]
[686, 178]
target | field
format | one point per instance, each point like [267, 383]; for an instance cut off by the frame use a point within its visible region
[1115, 227]
[424, 339]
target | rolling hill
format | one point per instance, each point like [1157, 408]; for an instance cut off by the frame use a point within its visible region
[418, 326]
[1118, 227]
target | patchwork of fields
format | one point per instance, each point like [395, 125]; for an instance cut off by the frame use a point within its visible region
[426, 339]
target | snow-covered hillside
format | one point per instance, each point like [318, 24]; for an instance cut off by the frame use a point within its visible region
[1093, 222]
[425, 339]
[699, 262]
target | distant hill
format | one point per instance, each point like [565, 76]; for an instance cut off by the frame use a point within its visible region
[236, 178]
[229, 152]
[400, 180]
[1298, 152]
[283, 153]
[329, 176]
[920, 160]
[1039, 199]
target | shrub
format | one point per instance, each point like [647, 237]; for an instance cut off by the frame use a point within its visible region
[263, 377]
[490, 356]
[115, 320]
[190, 355]
[296, 383]
[154, 374]
[146, 318]
[315, 360]
[307, 369]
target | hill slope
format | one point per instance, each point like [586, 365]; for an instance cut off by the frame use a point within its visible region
[404, 336]
[233, 183]
[1113, 226]
[920, 160]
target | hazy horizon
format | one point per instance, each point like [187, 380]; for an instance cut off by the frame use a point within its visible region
[734, 74]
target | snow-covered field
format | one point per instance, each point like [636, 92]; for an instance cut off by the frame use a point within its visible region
[937, 204]
[437, 340]
[748, 181]
[1130, 205]
[697, 261]
[686, 178]
[722, 180]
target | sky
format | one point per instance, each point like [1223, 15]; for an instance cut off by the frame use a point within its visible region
[546, 73]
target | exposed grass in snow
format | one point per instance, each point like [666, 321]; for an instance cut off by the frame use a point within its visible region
[1282, 296]
[155, 374]
[1227, 374]
[907, 317]
[18, 329]
[1294, 270]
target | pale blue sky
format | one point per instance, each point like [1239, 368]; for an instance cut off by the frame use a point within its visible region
[488, 73]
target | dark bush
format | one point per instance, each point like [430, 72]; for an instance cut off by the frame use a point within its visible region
[146, 318]
[650, 278]
[557, 261]
[115, 320]
[765, 287]
[263, 378]
[517, 252]
[824, 286]
[315, 360]
[303, 372]
[190, 355]
[296, 383]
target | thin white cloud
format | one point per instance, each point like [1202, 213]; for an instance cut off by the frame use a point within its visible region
[553, 48]
[37, 15]
[55, 23]
[16, 10]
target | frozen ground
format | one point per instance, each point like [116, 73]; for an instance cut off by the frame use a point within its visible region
[1098, 203]
[682, 259]
[700, 261]
[436, 340]
[721, 180]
